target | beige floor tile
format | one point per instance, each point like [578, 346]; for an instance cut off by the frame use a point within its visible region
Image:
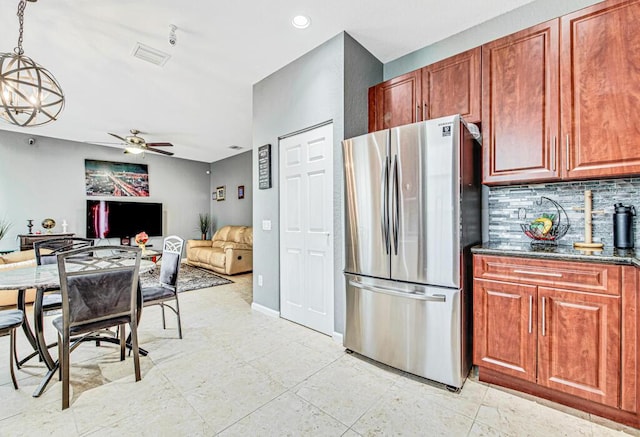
[467, 401]
[346, 388]
[232, 395]
[40, 419]
[513, 415]
[481, 430]
[288, 415]
[402, 411]
[291, 364]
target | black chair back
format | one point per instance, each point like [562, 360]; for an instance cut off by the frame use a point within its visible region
[48, 250]
[99, 286]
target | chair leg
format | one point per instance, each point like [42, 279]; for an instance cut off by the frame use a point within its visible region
[164, 324]
[12, 345]
[134, 345]
[178, 315]
[64, 364]
[123, 342]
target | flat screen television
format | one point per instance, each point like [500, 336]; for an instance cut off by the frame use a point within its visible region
[111, 219]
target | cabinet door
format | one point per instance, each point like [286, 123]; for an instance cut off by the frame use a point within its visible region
[504, 328]
[453, 86]
[397, 101]
[579, 344]
[601, 90]
[520, 106]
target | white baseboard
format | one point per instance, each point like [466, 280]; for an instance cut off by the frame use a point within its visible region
[264, 310]
[338, 337]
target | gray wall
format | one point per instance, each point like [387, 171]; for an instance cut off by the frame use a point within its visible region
[231, 173]
[309, 91]
[518, 19]
[47, 180]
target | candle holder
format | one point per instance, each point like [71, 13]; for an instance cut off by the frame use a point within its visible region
[30, 225]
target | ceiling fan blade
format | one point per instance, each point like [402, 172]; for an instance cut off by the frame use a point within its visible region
[118, 137]
[159, 151]
[159, 145]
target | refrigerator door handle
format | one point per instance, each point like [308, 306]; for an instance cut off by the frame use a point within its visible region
[395, 204]
[384, 208]
[417, 295]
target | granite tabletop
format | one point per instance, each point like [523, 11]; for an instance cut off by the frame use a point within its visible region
[607, 255]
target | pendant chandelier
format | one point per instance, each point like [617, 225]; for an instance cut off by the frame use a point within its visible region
[29, 94]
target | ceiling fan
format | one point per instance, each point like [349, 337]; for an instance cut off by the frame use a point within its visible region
[136, 144]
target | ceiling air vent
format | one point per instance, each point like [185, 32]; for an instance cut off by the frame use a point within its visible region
[235, 147]
[149, 54]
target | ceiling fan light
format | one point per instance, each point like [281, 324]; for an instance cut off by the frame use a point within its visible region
[136, 150]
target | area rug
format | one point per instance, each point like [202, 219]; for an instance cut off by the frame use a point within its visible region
[190, 278]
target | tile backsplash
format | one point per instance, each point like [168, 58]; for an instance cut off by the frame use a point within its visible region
[507, 205]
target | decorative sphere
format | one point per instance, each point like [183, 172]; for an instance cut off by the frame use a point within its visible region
[48, 223]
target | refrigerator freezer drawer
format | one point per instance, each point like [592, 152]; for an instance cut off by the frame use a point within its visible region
[407, 326]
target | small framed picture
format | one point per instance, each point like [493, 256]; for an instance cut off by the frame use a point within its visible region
[220, 193]
[240, 191]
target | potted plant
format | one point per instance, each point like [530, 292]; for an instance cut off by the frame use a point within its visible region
[5, 225]
[205, 224]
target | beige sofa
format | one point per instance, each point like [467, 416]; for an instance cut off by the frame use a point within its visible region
[230, 251]
[16, 260]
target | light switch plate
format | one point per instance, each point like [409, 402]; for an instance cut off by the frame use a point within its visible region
[266, 225]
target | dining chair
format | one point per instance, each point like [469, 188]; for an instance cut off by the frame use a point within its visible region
[10, 320]
[167, 288]
[99, 290]
[49, 299]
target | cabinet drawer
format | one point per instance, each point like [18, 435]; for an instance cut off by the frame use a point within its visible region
[579, 276]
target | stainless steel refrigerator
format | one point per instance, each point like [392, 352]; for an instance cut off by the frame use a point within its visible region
[413, 209]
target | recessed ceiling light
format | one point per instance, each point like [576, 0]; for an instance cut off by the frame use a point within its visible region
[301, 21]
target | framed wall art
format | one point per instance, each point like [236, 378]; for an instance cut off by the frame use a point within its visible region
[240, 191]
[220, 193]
[118, 179]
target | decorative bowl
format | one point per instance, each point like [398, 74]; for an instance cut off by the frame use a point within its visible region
[549, 227]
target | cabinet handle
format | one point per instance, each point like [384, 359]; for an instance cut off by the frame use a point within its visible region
[528, 272]
[553, 153]
[544, 316]
[417, 112]
[568, 153]
[530, 313]
[425, 113]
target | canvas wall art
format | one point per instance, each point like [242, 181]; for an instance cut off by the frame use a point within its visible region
[118, 179]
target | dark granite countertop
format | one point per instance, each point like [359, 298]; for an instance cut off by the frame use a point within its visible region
[560, 253]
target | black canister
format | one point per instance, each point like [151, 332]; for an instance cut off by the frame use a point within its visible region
[623, 226]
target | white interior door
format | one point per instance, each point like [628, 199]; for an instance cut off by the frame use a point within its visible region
[306, 228]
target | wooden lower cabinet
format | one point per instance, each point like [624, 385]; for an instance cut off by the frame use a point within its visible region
[504, 339]
[569, 345]
[579, 344]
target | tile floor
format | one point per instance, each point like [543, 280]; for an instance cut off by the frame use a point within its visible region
[241, 373]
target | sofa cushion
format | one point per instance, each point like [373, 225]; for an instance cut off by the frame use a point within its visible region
[14, 257]
[207, 255]
[236, 234]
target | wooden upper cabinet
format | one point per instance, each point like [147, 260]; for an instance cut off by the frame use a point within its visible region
[600, 79]
[453, 86]
[396, 101]
[520, 106]
[579, 344]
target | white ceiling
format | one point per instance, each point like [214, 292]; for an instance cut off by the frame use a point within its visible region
[201, 99]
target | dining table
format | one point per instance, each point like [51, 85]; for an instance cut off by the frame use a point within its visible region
[46, 277]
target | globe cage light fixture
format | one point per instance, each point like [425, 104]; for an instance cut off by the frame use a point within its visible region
[29, 94]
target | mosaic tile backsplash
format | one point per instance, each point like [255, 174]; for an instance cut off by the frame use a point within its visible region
[512, 205]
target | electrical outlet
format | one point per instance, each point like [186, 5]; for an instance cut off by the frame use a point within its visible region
[259, 280]
[266, 225]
